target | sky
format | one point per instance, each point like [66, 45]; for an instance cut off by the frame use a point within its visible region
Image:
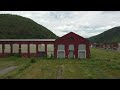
[84, 23]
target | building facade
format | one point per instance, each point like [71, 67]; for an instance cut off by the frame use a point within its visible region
[70, 45]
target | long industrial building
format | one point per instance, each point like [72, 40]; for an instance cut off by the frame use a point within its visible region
[70, 45]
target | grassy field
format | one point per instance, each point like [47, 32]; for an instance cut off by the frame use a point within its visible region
[101, 65]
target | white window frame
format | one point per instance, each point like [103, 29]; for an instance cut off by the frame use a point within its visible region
[60, 50]
[61, 44]
[73, 46]
[81, 50]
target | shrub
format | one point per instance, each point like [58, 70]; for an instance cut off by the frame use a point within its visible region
[32, 60]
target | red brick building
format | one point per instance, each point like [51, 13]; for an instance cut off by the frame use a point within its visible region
[70, 45]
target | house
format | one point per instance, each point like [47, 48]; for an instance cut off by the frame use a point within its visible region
[111, 46]
[70, 45]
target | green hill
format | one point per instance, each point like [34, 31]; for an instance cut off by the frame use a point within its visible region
[18, 27]
[109, 36]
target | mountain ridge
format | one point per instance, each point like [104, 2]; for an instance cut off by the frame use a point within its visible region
[19, 27]
[110, 36]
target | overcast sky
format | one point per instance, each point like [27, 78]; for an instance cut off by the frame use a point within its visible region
[84, 23]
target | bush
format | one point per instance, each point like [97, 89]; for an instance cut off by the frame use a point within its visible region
[8, 77]
[32, 60]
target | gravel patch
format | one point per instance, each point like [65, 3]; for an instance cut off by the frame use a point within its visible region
[6, 70]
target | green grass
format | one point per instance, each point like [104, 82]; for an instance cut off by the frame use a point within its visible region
[101, 65]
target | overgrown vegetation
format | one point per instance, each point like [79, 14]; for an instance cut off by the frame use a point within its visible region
[18, 27]
[33, 60]
[103, 64]
[15, 55]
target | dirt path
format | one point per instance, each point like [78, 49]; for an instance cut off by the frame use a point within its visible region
[6, 70]
[60, 72]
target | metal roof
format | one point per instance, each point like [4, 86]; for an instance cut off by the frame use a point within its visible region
[27, 39]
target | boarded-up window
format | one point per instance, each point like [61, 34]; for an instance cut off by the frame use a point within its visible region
[15, 48]
[7, 48]
[61, 54]
[61, 47]
[0, 48]
[61, 51]
[32, 48]
[24, 48]
[41, 47]
[82, 51]
[82, 47]
[71, 54]
[82, 54]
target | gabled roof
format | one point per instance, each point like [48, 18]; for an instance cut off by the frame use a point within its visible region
[75, 34]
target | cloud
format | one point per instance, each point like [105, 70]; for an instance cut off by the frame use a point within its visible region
[84, 23]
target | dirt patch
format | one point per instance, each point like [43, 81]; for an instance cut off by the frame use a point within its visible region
[6, 70]
[60, 72]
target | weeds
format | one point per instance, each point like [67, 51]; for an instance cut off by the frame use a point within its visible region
[32, 60]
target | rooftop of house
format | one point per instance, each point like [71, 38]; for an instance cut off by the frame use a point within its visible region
[27, 39]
